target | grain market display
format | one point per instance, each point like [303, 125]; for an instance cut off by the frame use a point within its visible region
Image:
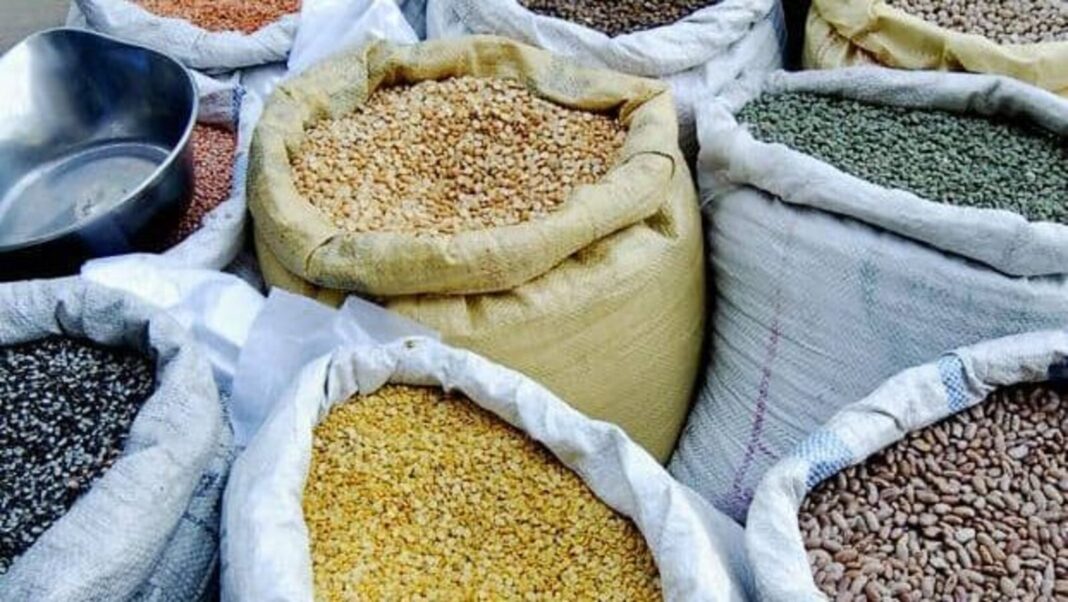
[1003, 21]
[619, 17]
[972, 508]
[66, 407]
[952, 158]
[213, 166]
[441, 157]
[414, 492]
[246, 16]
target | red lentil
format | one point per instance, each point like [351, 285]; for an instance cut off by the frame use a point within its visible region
[213, 163]
[224, 15]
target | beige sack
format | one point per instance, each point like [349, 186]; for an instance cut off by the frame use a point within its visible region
[602, 302]
[842, 33]
[388, 263]
[615, 330]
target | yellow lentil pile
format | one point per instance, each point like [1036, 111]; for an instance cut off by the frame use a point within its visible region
[417, 494]
[441, 157]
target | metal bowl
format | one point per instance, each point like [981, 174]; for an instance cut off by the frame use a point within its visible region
[95, 157]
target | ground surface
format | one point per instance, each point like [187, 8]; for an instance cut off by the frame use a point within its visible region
[19, 18]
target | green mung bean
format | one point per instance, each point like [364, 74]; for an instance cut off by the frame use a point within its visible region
[953, 158]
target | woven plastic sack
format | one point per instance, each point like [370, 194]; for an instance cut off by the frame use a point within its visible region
[698, 55]
[697, 549]
[148, 527]
[602, 301]
[827, 284]
[910, 401]
[415, 12]
[191, 45]
[841, 33]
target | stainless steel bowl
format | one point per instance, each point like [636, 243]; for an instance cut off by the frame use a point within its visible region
[95, 157]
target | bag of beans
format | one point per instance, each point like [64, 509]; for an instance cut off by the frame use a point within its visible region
[211, 231]
[949, 482]
[698, 46]
[115, 449]
[202, 34]
[1024, 40]
[864, 221]
[536, 212]
[415, 12]
[413, 470]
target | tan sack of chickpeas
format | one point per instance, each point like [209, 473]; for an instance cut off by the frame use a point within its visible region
[414, 470]
[531, 210]
[949, 482]
[1024, 39]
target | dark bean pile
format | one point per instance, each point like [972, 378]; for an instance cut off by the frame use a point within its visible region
[618, 17]
[947, 157]
[66, 407]
[213, 165]
[972, 508]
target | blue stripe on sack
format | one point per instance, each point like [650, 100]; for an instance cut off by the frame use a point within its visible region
[826, 454]
[951, 371]
[778, 22]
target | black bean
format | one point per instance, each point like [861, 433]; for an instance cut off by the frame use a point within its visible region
[66, 407]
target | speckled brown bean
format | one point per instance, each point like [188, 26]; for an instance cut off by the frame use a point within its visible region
[930, 519]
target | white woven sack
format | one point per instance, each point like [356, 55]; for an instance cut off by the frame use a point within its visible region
[147, 527]
[191, 45]
[837, 284]
[698, 55]
[909, 401]
[265, 549]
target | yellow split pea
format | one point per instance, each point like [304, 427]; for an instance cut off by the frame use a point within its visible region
[418, 494]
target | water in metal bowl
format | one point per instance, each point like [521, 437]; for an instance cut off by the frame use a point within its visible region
[94, 150]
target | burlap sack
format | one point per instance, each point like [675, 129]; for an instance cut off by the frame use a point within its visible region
[266, 552]
[842, 33]
[602, 303]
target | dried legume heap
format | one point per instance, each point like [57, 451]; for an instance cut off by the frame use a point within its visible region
[620, 16]
[213, 164]
[445, 157]
[947, 157]
[415, 494]
[224, 15]
[1003, 21]
[972, 508]
[65, 410]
